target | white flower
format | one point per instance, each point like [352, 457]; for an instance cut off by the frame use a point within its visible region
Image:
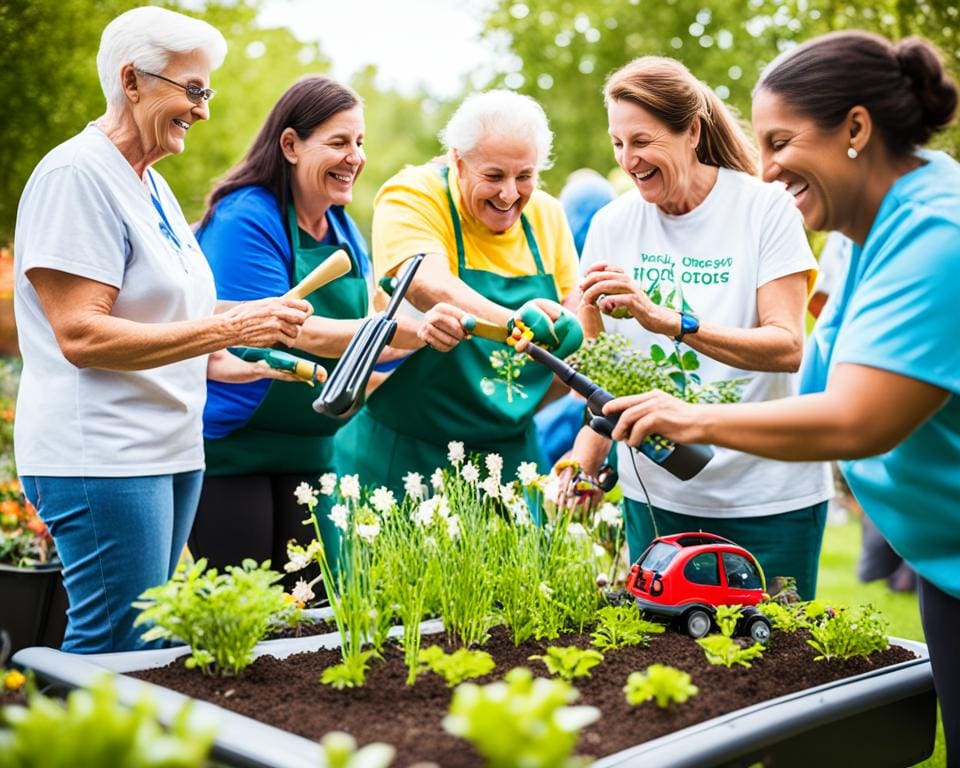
[551, 489]
[306, 495]
[424, 512]
[609, 514]
[338, 516]
[470, 472]
[413, 485]
[598, 550]
[453, 526]
[302, 592]
[576, 531]
[527, 472]
[328, 483]
[455, 452]
[436, 479]
[368, 531]
[494, 462]
[545, 590]
[298, 561]
[520, 511]
[443, 508]
[383, 500]
[490, 487]
[508, 493]
[350, 487]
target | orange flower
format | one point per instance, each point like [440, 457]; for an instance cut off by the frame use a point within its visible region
[7, 414]
[10, 509]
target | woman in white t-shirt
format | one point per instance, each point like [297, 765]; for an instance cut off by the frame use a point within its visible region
[114, 304]
[729, 252]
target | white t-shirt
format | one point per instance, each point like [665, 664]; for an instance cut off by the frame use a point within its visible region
[85, 211]
[744, 234]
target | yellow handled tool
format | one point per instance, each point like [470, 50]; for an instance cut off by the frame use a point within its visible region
[483, 328]
[336, 265]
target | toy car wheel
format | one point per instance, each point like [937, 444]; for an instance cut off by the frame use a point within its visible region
[697, 623]
[759, 629]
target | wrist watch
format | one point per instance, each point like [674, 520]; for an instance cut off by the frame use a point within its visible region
[688, 324]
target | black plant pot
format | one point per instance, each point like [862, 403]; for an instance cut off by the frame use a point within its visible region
[33, 605]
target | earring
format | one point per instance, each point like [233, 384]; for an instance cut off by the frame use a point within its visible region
[852, 153]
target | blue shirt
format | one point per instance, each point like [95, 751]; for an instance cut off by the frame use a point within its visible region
[898, 312]
[249, 251]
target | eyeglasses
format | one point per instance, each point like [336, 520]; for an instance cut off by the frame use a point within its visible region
[195, 93]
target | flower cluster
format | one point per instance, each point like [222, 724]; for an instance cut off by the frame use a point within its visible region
[24, 539]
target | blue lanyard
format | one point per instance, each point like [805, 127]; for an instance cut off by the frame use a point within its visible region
[165, 227]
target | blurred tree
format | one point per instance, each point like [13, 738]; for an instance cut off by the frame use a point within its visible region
[561, 51]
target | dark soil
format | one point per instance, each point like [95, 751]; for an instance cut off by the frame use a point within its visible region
[288, 694]
[305, 629]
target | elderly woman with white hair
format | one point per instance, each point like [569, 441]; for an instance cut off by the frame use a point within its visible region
[492, 242]
[115, 312]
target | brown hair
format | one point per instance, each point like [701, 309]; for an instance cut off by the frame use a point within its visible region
[667, 90]
[304, 106]
[904, 86]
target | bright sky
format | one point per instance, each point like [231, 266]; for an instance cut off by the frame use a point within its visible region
[433, 42]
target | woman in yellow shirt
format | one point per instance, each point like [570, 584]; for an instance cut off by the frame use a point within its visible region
[492, 242]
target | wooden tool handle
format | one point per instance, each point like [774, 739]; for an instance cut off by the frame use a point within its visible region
[336, 265]
[483, 328]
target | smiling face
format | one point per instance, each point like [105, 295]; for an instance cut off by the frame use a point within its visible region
[661, 163]
[813, 163]
[326, 164]
[163, 113]
[497, 179]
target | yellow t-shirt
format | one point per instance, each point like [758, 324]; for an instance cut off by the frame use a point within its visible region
[411, 215]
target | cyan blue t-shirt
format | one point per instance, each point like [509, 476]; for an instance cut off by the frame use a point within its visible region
[898, 312]
[249, 251]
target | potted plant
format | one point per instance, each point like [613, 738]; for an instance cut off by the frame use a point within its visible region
[33, 603]
[526, 595]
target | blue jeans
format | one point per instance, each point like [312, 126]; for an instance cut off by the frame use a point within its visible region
[116, 537]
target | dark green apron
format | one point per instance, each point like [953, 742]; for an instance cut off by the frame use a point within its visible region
[435, 397]
[284, 434]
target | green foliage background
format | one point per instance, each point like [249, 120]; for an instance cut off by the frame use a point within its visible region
[559, 51]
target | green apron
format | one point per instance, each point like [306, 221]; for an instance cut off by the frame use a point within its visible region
[435, 397]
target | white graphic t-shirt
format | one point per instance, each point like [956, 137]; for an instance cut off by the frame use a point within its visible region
[745, 234]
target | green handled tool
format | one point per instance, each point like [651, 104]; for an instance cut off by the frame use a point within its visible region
[308, 372]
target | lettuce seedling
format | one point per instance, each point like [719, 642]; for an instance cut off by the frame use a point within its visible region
[520, 721]
[727, 617]
[92, 728]
[350, 673]
[721, 649]
[462, 664]
[568, 661]
[340, 751]
[221, 616]
[785, 618]
[660, 682]
[619, 626]
[849, 633]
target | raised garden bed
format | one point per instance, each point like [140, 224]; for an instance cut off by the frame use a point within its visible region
[787, 710]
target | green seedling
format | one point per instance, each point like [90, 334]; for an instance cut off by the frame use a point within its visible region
[724, 650]
[92, 728]
[351, 673]
[221, 616]
[619, 626]
[340, 751]
[849, 633]
[568, 662]
[785, 618]
[727, 617]
[462, 664]
[660, 682]
[520, 721]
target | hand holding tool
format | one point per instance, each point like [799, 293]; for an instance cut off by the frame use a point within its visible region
[305, 370]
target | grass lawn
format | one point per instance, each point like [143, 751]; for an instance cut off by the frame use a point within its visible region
[838, 583]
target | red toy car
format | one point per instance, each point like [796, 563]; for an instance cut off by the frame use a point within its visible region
[686, 575]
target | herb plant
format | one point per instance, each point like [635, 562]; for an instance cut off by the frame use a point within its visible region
[340, 751]
[520, 721]
[785, 618]
[462, 664]
[92, 728]
[619, 626]
[661, 683]
[727, 617]
[721, 649]
[568, 661]
[221, 616]
[849, 633]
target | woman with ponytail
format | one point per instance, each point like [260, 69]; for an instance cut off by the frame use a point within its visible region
[882, 376]
[726, 255]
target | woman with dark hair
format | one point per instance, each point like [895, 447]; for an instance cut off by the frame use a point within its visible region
[271, 221]
[728, 256]
[882, 374]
